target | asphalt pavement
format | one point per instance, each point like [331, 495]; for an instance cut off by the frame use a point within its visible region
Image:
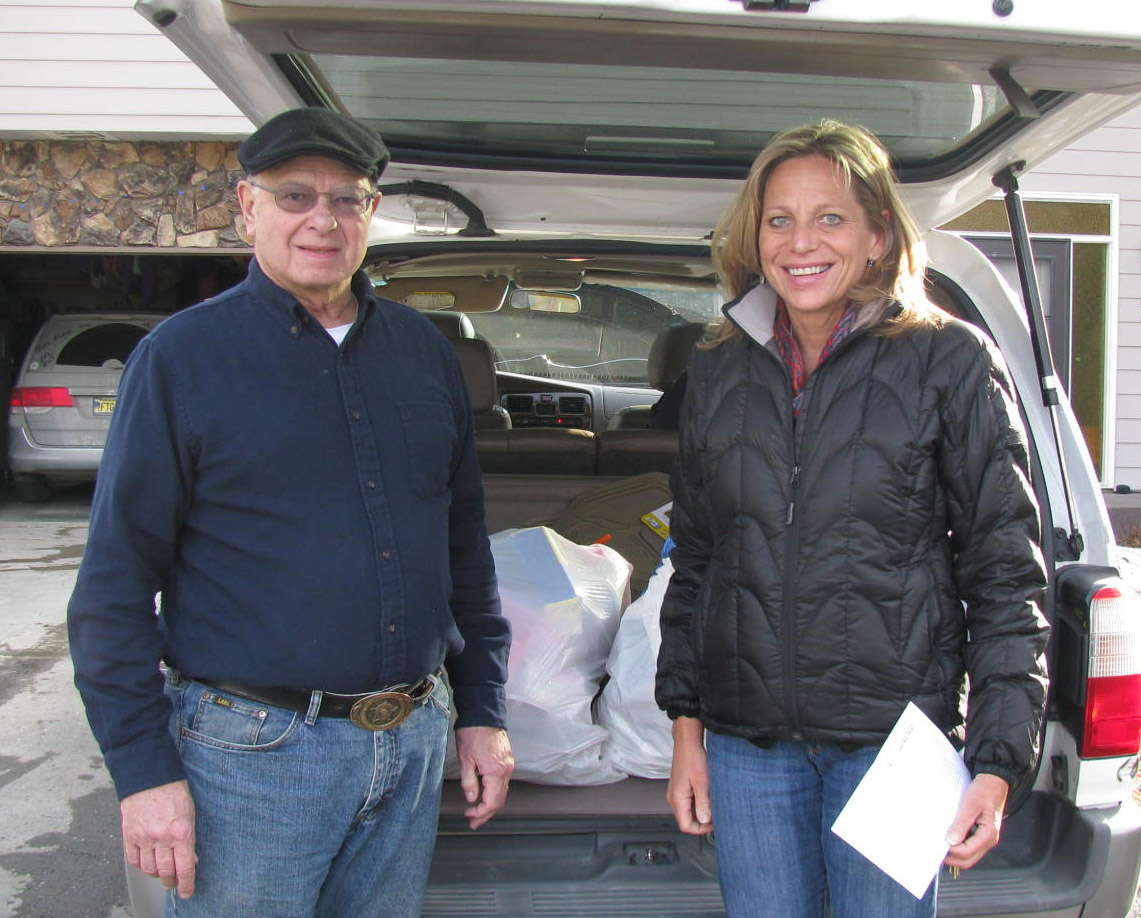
[59, 830]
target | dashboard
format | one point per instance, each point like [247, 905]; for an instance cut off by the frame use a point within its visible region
[549, 409]
[538, 402]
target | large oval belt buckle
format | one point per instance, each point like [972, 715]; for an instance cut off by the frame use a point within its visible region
[381, 711]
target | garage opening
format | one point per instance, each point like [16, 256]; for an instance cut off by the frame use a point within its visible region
[36, 286]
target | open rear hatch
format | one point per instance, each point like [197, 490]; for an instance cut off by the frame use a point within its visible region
[657, 108]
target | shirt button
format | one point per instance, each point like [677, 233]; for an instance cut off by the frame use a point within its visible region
[294, 330]
[372, 484]
[356, 415]
[391, 628]
[386, 555]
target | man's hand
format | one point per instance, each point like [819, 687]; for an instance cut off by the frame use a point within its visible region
[978, 825]
[688, 791]
[486, 764]
[158, 835]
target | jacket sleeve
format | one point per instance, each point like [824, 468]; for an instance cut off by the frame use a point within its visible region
[676, 683]
[478, 673]
[139, 503]
[999, 571]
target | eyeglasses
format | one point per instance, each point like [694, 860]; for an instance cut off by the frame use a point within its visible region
[295, 198]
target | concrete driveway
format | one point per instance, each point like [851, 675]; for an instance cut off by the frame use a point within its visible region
[59, 838]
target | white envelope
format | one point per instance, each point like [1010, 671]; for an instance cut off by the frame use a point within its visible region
[899, 814]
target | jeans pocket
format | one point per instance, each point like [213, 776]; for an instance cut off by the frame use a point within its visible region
[231, 722]
[441, 697]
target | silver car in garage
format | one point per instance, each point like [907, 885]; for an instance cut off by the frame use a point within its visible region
[65, 395]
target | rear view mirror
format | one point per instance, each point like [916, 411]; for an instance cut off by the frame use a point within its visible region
[545, 301]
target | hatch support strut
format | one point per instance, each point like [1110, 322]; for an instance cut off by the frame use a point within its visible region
[1067, 546]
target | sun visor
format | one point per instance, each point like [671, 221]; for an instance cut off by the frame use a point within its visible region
[459, 293]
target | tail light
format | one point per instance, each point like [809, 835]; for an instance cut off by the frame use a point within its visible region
[1099, 661]
[1113, 689]
[41, 397]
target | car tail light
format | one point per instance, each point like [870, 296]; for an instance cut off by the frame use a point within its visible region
[1097, 678]
[1113, 689]
[41, 397]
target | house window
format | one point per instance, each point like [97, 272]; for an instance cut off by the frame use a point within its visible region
[1072, 242]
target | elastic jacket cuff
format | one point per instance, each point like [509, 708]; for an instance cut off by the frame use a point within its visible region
[1011, 776]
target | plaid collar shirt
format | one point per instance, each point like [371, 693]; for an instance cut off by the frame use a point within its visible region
[793, 357]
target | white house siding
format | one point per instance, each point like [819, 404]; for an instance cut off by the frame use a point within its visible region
[98, 68]
[1107, 163]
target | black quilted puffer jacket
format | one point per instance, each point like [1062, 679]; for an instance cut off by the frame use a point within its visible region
[828, 572]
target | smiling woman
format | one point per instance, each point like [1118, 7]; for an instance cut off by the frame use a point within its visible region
[855, 449]
[815, 245]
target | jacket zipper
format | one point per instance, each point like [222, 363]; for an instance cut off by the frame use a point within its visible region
[791, 553]
[792, 533]
[788, 593]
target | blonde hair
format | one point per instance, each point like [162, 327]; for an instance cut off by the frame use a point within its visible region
[866, 168]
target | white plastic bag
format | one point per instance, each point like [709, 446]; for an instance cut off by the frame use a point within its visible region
[639, 740]
[564, 602]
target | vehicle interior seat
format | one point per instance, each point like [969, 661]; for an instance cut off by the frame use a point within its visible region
[632, 451]
[452, 324]
[537, 451]
[478, 367]
[666, 362]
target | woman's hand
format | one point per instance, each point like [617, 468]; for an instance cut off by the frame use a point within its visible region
[688, 791]
[978, 825]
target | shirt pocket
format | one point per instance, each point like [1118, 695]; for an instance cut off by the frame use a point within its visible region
[429, 442]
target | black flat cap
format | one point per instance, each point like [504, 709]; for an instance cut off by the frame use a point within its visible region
[314, 132]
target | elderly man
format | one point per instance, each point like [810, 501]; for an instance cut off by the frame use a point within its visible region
[291, 466]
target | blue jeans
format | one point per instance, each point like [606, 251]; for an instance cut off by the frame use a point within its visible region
[305, 816]
[773, 811]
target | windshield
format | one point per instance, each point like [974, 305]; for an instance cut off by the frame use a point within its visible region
[604, 338]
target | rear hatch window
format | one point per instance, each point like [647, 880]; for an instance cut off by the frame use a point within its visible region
[101, 346]
[620, 118]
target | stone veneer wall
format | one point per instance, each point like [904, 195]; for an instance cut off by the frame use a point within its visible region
[134, 195]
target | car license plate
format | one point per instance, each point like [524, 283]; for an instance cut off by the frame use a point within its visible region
[104, 405]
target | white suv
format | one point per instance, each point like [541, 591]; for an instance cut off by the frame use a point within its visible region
[551, 153]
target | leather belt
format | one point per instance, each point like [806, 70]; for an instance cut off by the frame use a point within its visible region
[381, 710]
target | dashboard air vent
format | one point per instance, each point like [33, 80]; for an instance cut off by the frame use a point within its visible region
[518, 404]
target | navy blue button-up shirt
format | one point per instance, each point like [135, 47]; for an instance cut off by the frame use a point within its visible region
[311, 515]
